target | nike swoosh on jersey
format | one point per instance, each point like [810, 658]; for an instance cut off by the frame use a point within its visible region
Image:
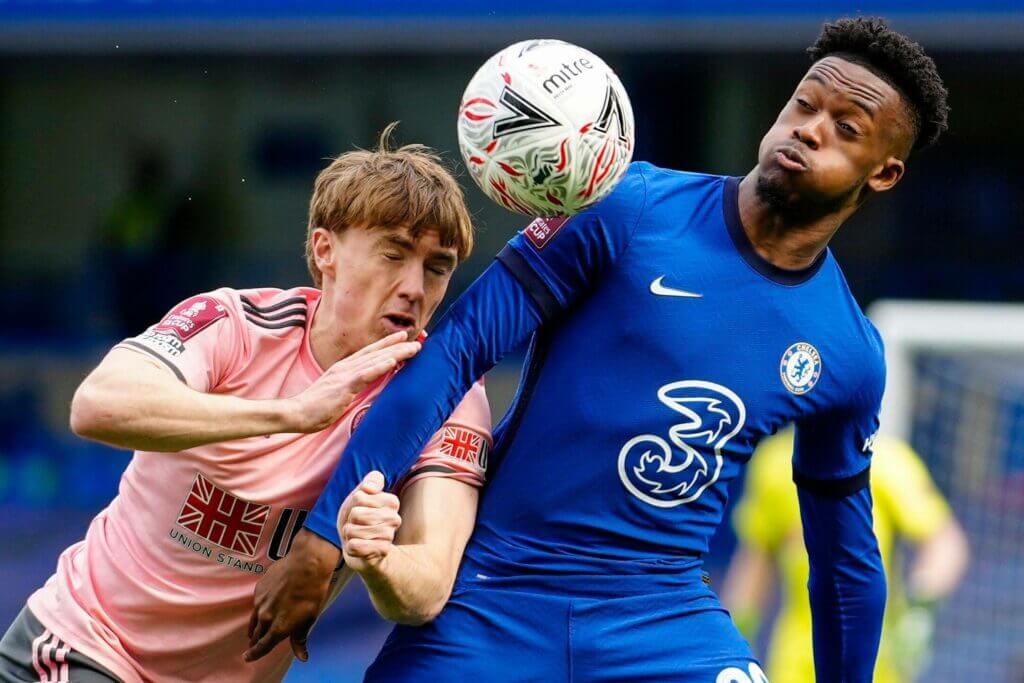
[661, 290]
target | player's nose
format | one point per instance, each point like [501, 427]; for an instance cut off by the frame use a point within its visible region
[412, 286]
[809, 133]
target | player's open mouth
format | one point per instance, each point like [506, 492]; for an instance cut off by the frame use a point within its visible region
[790, 159]
[400, 321]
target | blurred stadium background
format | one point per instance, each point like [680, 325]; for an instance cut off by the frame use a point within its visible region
[150, 150]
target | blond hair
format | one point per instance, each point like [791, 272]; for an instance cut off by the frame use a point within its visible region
[389, 188]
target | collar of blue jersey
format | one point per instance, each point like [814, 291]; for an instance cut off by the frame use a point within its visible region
[783, 276]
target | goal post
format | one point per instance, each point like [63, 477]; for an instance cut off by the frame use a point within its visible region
[955, 392]
[911, 327]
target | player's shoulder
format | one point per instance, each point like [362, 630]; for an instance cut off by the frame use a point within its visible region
[673, 176]
[851, 331]
[645, 185]
[629, 196]
[270, 310]
[867, 354]
[872, 350]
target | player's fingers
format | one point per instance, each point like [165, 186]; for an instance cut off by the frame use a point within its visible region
[300, 649]
[367, 549]
[371, 532]
[390, 340]
[354, 376]
[371, 373]
[372, 483]
[403, 351]
[346, 507]
[358, 498]
[260, 622]
[366, 516]
[253, 620]
[263, 646]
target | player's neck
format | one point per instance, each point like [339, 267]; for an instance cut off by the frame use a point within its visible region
[325, 341]
[783, 240]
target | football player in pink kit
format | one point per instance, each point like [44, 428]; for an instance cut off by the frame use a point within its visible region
[237, 404]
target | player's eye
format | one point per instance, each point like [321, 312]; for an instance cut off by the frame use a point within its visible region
[439, 267]
[847, 128]
[392, 256]
[804, 104]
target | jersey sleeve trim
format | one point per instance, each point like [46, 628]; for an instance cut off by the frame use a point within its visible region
[534, 285]
[141, 347]
[834, 488]
[435, 469]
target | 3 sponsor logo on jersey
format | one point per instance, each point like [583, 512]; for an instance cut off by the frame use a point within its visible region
[667, 473]
[800, 368]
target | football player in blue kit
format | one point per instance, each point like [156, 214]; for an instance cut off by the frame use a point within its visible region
[673, 325]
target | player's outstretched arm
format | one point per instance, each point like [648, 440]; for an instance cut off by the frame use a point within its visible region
[847, 581]
[132, 401]
[408, 561]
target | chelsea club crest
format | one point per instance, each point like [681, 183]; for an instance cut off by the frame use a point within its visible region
[800, 368]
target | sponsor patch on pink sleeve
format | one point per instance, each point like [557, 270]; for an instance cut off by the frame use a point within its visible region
[192, 316]
[543, 230]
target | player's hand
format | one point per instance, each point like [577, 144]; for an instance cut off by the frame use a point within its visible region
[367, 523]
[332, 393]
[289, 598]
[912, 635]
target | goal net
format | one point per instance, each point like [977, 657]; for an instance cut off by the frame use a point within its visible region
[955, 390]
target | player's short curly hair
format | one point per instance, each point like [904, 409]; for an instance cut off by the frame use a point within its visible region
[899, 61]
[406, 187]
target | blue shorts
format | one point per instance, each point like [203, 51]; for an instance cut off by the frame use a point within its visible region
[491, 633]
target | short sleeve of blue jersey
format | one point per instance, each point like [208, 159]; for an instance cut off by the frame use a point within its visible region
[559, 259]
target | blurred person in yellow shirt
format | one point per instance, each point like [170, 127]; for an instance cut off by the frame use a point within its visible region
[907, 506]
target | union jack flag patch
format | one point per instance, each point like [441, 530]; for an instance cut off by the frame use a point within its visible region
[466, 445]
[222, 518]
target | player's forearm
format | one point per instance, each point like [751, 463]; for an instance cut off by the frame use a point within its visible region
[147, 413]
[746, 588]
[847, 584]
[940, 564]
[409, 586]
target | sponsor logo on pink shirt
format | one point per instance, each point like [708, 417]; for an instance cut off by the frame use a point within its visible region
[194, 315]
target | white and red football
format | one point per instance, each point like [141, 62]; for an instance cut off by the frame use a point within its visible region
[545, 128]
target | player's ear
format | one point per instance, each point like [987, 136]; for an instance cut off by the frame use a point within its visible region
[323, 251]
[886, 175]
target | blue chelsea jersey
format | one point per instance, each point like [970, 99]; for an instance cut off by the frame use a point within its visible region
[663, 348]
[671, 349]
